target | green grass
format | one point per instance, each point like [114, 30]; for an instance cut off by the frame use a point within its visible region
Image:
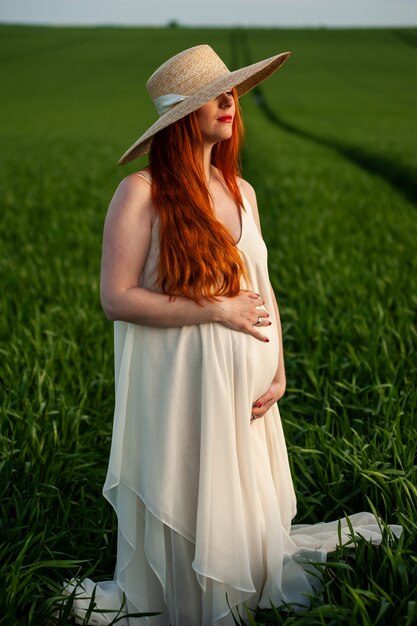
[331, 152]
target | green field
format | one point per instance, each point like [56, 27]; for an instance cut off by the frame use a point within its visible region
[332, 154]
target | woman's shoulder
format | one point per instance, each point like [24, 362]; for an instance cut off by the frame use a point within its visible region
[140, 179]
[244, 183]
[133, 194]
[250, 195]
[145, 174]
[137, 186]
[248, 190]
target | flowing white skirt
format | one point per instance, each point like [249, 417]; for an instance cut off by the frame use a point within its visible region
[204, 498]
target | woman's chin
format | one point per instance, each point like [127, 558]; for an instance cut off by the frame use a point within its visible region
[222, 135]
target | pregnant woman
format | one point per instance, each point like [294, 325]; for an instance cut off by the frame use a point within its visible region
[198, 472]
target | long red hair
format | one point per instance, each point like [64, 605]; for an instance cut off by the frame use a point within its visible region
[197, 255]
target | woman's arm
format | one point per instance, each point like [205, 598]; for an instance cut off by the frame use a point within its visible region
[126, 243]
[278, 384]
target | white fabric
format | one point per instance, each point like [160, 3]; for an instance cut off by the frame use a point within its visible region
[165, 103]
[204, 498]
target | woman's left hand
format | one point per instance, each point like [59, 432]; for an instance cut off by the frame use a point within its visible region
[264, 403]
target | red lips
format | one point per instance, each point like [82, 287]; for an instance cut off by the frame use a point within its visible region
[225, 118]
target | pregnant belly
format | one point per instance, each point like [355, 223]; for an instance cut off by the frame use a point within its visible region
[259, 358]
[229, 365]
[240, 364]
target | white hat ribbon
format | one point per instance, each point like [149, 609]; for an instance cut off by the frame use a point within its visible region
[164, 103]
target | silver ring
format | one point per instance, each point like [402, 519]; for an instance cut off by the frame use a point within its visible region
[258, 323]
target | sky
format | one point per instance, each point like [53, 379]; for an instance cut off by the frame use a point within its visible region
[212, 12]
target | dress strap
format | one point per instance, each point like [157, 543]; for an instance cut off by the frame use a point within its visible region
[146, 175]
[244, 198]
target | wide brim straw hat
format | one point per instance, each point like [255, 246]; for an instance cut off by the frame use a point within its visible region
[190, 79]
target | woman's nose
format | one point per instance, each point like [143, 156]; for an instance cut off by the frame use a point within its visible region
[227, 100]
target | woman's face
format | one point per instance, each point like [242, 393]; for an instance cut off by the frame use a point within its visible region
[215, 118]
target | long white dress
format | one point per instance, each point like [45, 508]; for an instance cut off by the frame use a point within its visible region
[204, 498]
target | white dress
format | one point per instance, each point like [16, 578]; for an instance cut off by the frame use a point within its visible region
[204, 498]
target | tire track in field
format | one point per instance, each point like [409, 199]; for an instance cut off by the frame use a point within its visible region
[408, 37]
[402, 178]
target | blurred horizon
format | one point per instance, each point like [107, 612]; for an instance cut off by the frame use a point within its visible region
[265, 13]
[176, 24]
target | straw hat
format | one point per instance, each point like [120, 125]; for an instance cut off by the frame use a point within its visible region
[190, 79]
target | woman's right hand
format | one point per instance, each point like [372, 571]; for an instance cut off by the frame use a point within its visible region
[242, 312]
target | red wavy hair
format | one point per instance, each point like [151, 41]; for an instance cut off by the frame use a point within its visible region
[198, 258]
